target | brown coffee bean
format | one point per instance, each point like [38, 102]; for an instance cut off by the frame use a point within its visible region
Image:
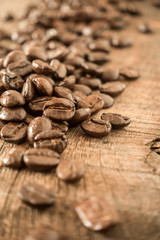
[100, 45]
[130, 73]
[145, 28]
[121, 42]
[116, 120]
[20, 67]
[48, 134]
[70, 170]
[57, 144]
[83, 88]
[35, 52]
[14, 56]
[110, 74]
[42, 67]
[95, 213]
[80, 115]
[91, 68]
[17, 114]
[98, 57]
[108, 100]
[96, 127]
[37, 104]
[77, 95]
[59, 109]
[12, 98]
[62, 126]
[36, 126]
[63, 92]
[112, 88]
[68, 82]
[14, 157]
[36, 195]
[93, 83]
[11, 80]
[58, 53]
[28, 90]
[94, 102]
[28, 119]
[41, 159]
[42, 84]
[14, 132]
[59, 69]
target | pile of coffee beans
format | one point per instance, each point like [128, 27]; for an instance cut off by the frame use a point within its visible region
[54, 76]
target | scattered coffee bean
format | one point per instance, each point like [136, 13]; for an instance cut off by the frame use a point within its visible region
[28, 90]
[68, 82]
[62, 126]
[110, 74]
[12, 98]
[80, 115]
[83, 88]
[11, 80]
[100, 45]
[17, 114]
[94, 102]
[14, 157]
[93, 83]
[121, 42]
[41, 67]
[63, 92]
[116, 120]
[37, 104]
[108, 100]
[59, 69]
[145, 28]
[20, 67]
[42, 84]
[112, 88]
[14, 56]
[130, 73]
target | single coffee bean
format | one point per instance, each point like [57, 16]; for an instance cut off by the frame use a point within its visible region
[59, 109]
[118, 22]
[59, 69]
[130, 73]
[98, 57]
[121, 42]
[41, 159]
[62, 126]
[100, 45]
[78, 95]
[14, 56]
[94, 102]
[63, 92]
[42, 67]
[80, 115]
[12, 98]
[96, 127]
[36, 195]
[68, 82]
[145, 28]
[48, 134]
[28, 90]
[17, 114]
[20, 67]
[133, 10]
[112, 88]
[83, 88]
[91, 68]
[116, 120]
[11, 80]
[43, 86]
[14, 157]
[37, 104]
[58, 53]
[93, 83]
[70, 170]
[57, 144]
[36, 126]
[110, 74]
[95, 213]
[37, 76]
[74, 60]
[35, 52]
[108, 100]
[14, 132]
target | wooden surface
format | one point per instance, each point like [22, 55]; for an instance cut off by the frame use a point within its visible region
[120, 166]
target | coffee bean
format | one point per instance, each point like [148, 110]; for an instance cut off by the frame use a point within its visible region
[110, 74]
[37, 104]
[58, 53]
[41, 159]
[95, 213]
[70, 170]
[112, 88]
[82, 88]
[36, 195]
[93, 83]
[42, 67]
[17, 114]
[48, 134]
[91, 68]
[59, 69]
[14, 56]
[68, 82]
[62, 126]
[28, 90]
[94, 102]
[36, 126]
[11, 80]
[42, 84]
[121, 42]
[14, 157]
[130, 73]
[63, 92]
[77, 95]
[100, 45]
[116, 120]
[80, 115]
[12, 98]
[14, 132]
[117, 22]
[108, 100]
[35, 52]
[20, 67]
[145, 28]
[59, 109]
[28, 119]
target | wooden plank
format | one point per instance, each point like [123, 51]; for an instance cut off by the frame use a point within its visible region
[121, 166]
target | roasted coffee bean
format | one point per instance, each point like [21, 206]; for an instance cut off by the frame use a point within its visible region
[130, 73]
[110, 74]
[98, 57]
[77, 95]
[94, 102]
[74, 60]
[112, 88]
[95, 213]
[100, 45]
[42, 67]
[37, 104]
[62, 126]
[58, 53]
[35, 52]
[145, 28]
[14, 157]
[14, 132]
[59, 69]
[57, 144]
[14, 56]
[68, 82]
[42, 84]
[48, 134]
[11, 80]
[46, 232]
[117, 22]
[63, 92]
[80, 115]
[36, 195]
[17, 114]
[96, 127]
[59, 109]
[108, 100]
[20, 67]
[116, 120]
[38, 125]
[91, 68]
[28, 90]
[28, 119]
[70, 170]
[12, 98]
[83, 88]
[37, 76]
[121, 42]
[41, 159]
[93, 83]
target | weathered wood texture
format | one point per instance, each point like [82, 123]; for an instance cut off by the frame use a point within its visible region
[121, 166]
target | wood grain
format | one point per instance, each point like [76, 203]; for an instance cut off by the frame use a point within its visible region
[121, 166]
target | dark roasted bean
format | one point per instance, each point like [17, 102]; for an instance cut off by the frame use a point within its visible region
[112, 88]
[100, 45]
[110, 74]
[37, 104]
[80, 115]
[20, 67]
[12, 98]
[68, 82]
[94, 102]
[42, 84]
[145, 28]
[17, 114]
[42, 67]
[13, 56]
[59, 69]
[28, 90]
[116, 120]
[108, 100]
[121, 42]
[83, 88]
[63, 92]
[11, 80]
[14, 157]
[93, 83]
[130, 73]
[62, 126]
